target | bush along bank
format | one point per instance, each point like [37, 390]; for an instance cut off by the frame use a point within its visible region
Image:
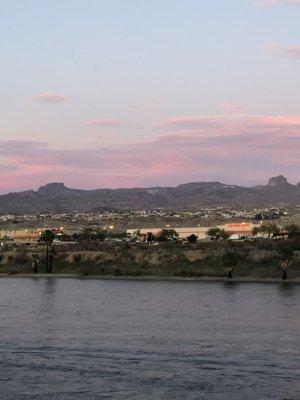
[260, 259]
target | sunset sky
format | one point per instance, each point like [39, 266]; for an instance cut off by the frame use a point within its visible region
[142, 93]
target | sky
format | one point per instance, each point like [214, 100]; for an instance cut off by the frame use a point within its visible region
[143, 93]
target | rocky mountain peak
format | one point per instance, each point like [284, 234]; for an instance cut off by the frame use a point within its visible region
[278, 181]
[56, 197]
[53, 189]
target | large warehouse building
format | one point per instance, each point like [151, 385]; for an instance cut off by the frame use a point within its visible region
[241, 228]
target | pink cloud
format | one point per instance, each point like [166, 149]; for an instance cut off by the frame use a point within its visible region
[7, 168]
[285, 50]
[232, 124]
[233, 148]
[106, 123]
[48, 97]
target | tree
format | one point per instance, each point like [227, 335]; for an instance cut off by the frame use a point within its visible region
[224, 235]
[285, 261]
[47, 238]
[117, 235]
[230, 261]
[150, 237]
[35, 263]
[217, 233]
[214, 233]
[86, 235]
[258, 217]
[101, 235]
[167, 234]
[52, 253]
[270, 229]
[192, 238]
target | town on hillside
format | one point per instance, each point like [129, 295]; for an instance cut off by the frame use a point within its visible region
[206, 223]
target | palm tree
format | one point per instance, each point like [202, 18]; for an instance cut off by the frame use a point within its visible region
[230, 261]
[47, 238]
[35, 263]
[286, 261]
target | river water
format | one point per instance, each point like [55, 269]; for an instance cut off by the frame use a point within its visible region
[99, 339]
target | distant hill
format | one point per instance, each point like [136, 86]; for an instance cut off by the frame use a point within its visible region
[56, 197]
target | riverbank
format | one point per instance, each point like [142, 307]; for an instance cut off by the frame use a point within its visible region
[244, 261]
[153, 278]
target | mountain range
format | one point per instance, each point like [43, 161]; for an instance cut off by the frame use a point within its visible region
[56, 197]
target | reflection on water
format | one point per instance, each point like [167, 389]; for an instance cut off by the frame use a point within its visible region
[94, 339]
[288, 289]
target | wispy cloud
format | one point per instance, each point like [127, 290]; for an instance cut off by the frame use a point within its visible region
[234, 148]
[49, 97]
[106, 123]
[110, 137]
[282, 50]
[226, 124]
[8, 167]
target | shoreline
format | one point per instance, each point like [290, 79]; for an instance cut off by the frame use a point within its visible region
[155, 278]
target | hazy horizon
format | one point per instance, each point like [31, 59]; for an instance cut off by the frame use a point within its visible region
[97, 94]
